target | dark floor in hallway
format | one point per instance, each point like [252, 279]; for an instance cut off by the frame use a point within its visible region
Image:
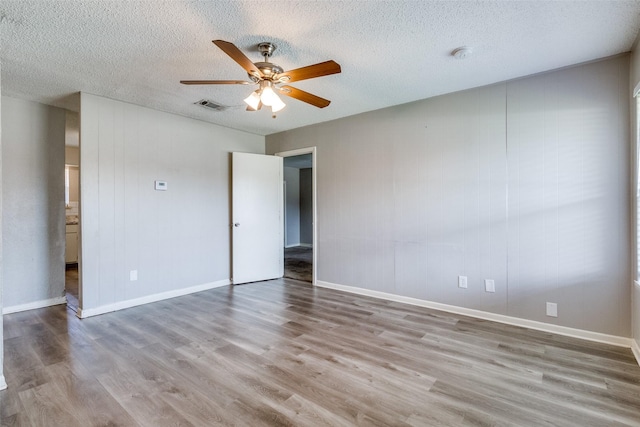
[298, 263]
[71, 286]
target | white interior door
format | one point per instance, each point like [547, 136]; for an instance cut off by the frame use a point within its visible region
[257, 200]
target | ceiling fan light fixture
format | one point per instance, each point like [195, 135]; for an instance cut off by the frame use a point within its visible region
[253, 100]
[268, 76]
[278, 105]
[269, 97]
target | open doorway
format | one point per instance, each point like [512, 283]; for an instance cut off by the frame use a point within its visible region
[299, 214]
[72, 201]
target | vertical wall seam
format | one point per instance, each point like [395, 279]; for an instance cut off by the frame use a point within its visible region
[507, 181]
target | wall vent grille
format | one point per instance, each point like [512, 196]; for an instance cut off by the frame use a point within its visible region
[206, 103]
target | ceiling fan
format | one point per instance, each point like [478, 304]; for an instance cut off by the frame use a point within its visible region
[269, 76]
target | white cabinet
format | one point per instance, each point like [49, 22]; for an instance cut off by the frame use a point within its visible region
[71, 252]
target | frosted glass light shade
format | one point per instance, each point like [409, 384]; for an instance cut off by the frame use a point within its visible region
[277, 105]
[253, 100]
[269, 97]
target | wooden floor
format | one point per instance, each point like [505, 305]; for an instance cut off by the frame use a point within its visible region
[71, 285]
[284, 353]
[298, 263]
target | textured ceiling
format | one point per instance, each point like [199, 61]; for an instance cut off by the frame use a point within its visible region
[391, 52]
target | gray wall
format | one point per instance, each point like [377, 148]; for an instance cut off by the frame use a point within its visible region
[306, 206]
[72, 158]
[72, 155]
[72, 134]
[292, 206]
[524, 182]
[175, 239]
[33, 222]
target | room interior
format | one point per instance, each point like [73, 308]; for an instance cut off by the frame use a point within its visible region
[494, 189]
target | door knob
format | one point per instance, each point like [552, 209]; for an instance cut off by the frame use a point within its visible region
[237, 224]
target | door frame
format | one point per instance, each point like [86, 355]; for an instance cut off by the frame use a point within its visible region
[314, 210]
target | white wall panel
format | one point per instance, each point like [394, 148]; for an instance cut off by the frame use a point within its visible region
[521, 182]
[133, 170]
[3, 383]
[635, 289]
[33, 220]
[175, 239]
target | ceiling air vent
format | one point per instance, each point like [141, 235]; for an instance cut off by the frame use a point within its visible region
[211, 105]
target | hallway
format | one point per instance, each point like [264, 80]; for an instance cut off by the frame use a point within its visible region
[298, 263]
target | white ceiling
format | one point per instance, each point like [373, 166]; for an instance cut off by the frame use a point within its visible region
[391, 52]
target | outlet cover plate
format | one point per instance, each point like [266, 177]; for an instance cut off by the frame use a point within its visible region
[552, 309]
[133, 275]
[489, 285]
[462, 282]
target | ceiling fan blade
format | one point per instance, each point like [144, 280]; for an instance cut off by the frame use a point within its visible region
[237, 55]
[303, 96]
[310, 72]
[215, 82]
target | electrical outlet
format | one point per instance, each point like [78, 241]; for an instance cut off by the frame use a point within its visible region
[552, 309]
[133, 275]
[489, 285]
[462, 282]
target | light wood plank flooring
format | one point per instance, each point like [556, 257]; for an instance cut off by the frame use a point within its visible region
[284, 353]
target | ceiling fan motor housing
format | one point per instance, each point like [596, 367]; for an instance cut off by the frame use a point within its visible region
[268, 69]
[266, 49]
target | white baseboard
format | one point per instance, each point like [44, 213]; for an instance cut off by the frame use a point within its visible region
[636, 350]
[3, 383]
[34, 305]
[293, 245]
[121, 305]
[500, 318]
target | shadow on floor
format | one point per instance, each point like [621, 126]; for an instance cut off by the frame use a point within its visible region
[71, 286]
[298, 263]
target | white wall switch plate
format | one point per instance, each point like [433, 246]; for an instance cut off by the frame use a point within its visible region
[552, 309]
[462, 282]
[489, 285]
[133, 275]
[161, 185]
